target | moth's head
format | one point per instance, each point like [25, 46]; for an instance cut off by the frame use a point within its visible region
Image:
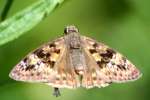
[70, 29]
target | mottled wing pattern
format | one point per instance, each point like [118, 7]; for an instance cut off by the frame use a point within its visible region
[46, 64]
[106, 66]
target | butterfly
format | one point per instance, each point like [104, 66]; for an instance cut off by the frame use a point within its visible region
[74, 61]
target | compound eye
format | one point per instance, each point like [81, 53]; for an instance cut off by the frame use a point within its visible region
[66, 31]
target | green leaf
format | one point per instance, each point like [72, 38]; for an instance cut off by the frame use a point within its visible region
[25, 20]
[6, 9]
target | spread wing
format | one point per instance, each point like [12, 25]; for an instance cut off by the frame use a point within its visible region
[105, 65]
[47, 64]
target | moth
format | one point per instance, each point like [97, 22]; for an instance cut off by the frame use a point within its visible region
[74, 61]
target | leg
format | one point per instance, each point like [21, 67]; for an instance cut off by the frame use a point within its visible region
[56, 92]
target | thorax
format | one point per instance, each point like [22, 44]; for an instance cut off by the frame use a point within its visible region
[75, 50]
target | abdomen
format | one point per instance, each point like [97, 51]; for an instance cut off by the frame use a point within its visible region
[77, 59]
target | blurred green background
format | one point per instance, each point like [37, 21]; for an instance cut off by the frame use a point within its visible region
[122, 24]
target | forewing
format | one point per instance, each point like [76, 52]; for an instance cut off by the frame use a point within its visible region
[66, 77]
[46, 64]
[110, 66]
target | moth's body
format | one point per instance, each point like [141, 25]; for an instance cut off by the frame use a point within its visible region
[73, 61]
[75, 50]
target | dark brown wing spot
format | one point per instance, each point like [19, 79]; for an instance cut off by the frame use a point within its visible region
[107, 56]
[21, 66]
[25, 59]
[57, 78]
[100, 64]
[121, 67]
[94, 78]
[47, 55]
[95, 45]
[52, 63]
[38, 63]
[32, 74]
[52, 45]
[107, 73]
[39, 53]
[114, 73]
[109, 53]
[38, 73]
[30, 67]
[57, 51]
[64, 78]
[92, 51]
